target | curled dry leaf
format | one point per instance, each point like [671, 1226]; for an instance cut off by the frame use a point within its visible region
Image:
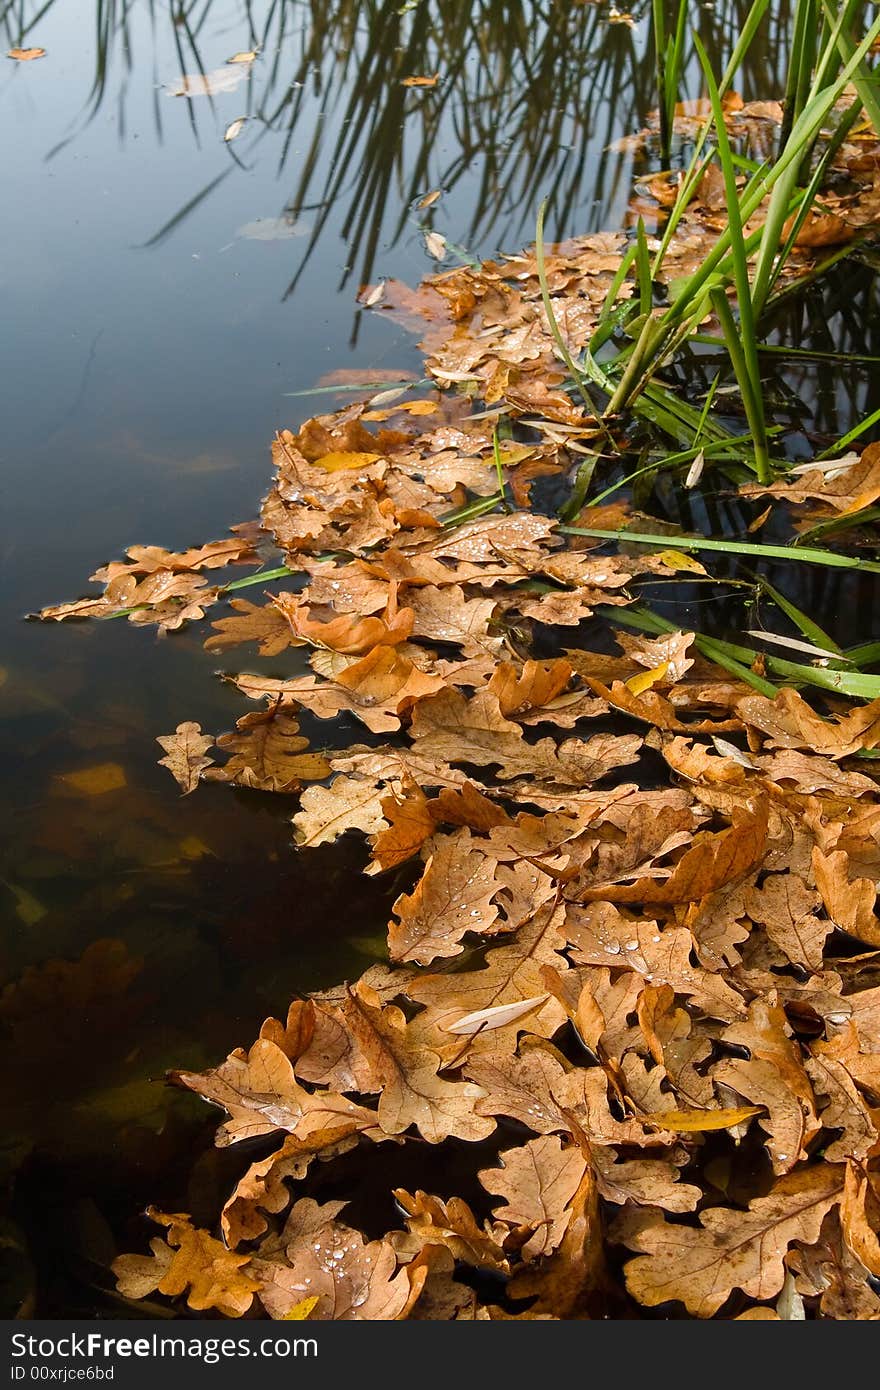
[189, 1261]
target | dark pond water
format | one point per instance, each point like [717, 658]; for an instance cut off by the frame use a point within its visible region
[163, 292]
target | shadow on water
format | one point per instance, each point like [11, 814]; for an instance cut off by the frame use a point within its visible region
[188, 284]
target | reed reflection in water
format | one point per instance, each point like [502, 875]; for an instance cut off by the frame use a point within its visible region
[529, 103]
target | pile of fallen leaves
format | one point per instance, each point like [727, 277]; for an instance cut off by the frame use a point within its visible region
[638, 951]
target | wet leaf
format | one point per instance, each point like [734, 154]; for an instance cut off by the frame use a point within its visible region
[349, 803]
[262, 1096]
[410, 1091]
[453, 896]
[268, 753]
[191, 1262]
[730, 1250]
[26, 55]
[538, 1183]
[185, 751]
[264, 624]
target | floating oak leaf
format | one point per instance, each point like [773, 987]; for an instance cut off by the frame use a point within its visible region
[262, 1096]
[785, 907]
[148, 559]
[349, 803]
[378, 688]
[829, 1270]
[859, 1218]
[651, 708]
[512, 973]
[651, 652]
[200, 1266]
[537, 684]
[348, 633]
[789, 722]
[252, 622]
[466, 805]
[316, 1038]
[185, 755]
[268, 753]
[446, 615]
[773, 1077]
[352, 1279]
[165, 597]
[521, 1087]
[454, 729]
[842, 1107]
[516, 537]
[567, 1282]
[659, 955]
[385, 679]
[710, 863]
[431, 1221]
[852, 485]
[848, 902]
[453, 896]
[388, 764]
[411, 1092]
[410, 823]
[731, 1249]
[538, 1181]
[263, 1188]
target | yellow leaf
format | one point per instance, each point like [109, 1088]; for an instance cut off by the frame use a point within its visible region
[408, 407]
[343, 460]
[421, 81]
[677, 560]
[26, 55]
[699, 1121]
[247, 57]
[300, 1311]
[645, 679]
[514, 453]
[94, 781]
[429, 199]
